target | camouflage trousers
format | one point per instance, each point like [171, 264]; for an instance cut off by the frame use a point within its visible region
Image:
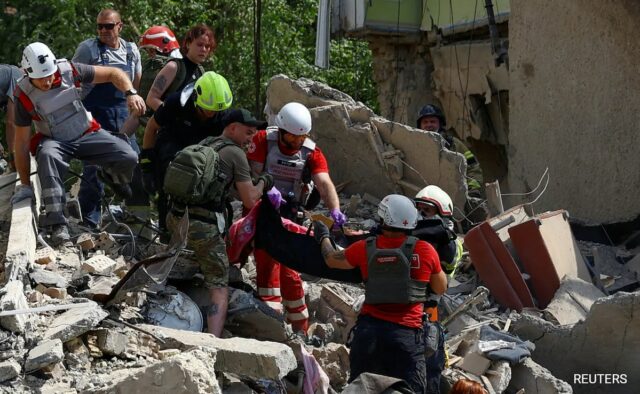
[206, 240]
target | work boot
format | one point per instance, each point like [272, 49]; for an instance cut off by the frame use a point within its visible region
[122, 190]
[60, 234]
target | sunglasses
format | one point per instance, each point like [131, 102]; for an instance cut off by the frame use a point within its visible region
[107, 26]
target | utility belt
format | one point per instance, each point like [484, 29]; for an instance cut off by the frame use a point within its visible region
[206, 215]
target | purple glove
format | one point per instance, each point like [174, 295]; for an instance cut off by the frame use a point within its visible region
[275, 197]
[338, 217]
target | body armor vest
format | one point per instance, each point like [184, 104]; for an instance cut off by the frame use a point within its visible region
[389, 275]
[58, 112]
[287, 170]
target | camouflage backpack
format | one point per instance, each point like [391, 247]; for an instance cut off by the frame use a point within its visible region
[194, 176]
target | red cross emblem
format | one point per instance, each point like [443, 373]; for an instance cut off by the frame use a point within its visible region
[405, 222]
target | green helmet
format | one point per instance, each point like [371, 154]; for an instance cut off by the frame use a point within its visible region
[213, 92]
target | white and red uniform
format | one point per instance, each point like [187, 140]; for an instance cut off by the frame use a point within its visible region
[278, 283]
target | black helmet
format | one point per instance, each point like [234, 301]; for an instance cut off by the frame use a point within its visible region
[431, 110]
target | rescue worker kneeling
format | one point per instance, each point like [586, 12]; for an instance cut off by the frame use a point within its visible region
[398, 270]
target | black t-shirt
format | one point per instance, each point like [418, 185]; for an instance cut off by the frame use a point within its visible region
[180, 127]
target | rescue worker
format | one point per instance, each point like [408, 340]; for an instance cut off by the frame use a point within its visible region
[160, 41]
[398, 270]
[49, 96]
[435, 207]
[286, 152]
[207, 221]
[199, 43]
[108, 105]
[182, 120]
[431, 118]
[8, 76]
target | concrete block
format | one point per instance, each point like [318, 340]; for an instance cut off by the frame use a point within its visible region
[536, 379]
[251, 318]
[165, 354]
[45, 255]
[14, 299]
[75, 322]
[112, 342]
[190, 372]
[56, 292]
[46, 353]
[573, 300]
[475, 363]
[499, 375]
[77, 354]
[35, 297]
[9, 369]
[244, 357]
[47, 278]
[334, 360]
[99, 264]
[341, 302]
[105, 242]
[85, 241]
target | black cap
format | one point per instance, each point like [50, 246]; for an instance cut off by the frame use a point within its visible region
[243, 116]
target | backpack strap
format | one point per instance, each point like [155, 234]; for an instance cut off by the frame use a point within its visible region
[370, 248]
[129, 56]
[178, 80]
[408, 246]
[102, 52]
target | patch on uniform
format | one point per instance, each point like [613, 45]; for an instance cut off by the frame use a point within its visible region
[387, 259]
[415, 261]
[251, 147]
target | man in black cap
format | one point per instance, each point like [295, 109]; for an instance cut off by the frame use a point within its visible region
[207, 215]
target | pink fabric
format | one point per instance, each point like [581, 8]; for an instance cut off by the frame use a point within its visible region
[315, 379]
[241, 234]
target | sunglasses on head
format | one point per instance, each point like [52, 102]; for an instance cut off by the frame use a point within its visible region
[107, 26]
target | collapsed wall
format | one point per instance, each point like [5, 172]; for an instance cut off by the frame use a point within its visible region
[571, 106]
[367, 153]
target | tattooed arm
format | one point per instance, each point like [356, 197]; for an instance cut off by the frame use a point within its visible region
[334, 258]
[163, 80]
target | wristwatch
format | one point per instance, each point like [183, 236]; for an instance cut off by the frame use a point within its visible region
[131, 92]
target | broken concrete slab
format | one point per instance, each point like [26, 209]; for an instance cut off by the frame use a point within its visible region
[499, 375]
[606, 342]
[189, 372]
[75, 322]
[334, 360]
[46, 353]
[111, 342]
[573, 300]
[14, 299]
[9, 369]
[240, 356]
[77, 354]
[475, 363]
[48, 278]
[536, 379]
[341, 302]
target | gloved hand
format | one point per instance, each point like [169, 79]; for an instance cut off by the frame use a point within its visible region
[23, 192]
[275, 197]
[267, 179]
[338, 217]
[320, 231]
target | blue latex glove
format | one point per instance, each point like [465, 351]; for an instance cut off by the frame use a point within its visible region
[23, 192]
[338, 217]
[275, 197]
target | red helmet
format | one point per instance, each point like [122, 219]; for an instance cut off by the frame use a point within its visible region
[160, 38]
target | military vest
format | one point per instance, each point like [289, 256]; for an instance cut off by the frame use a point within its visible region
[389, 275]
[58, 112]
[287, 170]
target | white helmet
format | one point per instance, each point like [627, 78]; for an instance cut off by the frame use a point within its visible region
[398, 211]
[294, 118]
[437, 197]
[38, 60]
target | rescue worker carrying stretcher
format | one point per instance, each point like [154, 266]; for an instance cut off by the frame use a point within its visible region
[301, 174]
[398, 270]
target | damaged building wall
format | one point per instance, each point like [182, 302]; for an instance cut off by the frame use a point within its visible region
[574, 108]
[367, 152]
[402, 73]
